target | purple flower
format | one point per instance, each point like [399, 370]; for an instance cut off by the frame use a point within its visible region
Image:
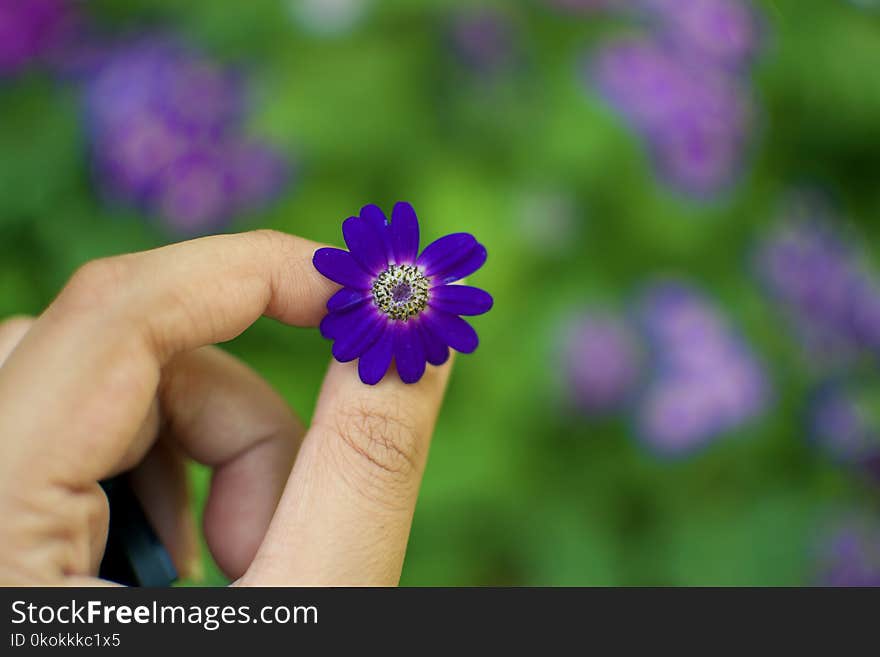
[166, 135]
[822, 282]
[30, 30]
[722, 32]
[707, 381]
[79, 56]
[698, 151]
[602, 361]
[257, 173]
[696, 120]
[131, 154]
[195, 191]
[642, 80]
[849, 555]
[157, 74]
[679, 88]
[842, 424]
[396, 303]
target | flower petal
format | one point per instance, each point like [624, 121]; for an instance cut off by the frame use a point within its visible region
[374, 216]
[446, 251]
[460, 300]
[346, 298]
[452, 257]
[339, 266]
[464, 266]
[404, 234]
[409, 352]
[436, 350]
[353, 344]
[453, 330]
[375, 361]
[351, 321]
[365, 244]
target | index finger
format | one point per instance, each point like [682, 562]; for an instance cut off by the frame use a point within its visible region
[76, 388]
[344, 518]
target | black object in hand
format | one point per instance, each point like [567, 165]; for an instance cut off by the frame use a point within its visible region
[134, 555]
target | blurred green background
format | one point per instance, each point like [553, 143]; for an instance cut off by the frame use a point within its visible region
[518, 490]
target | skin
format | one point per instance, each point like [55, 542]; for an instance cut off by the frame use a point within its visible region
[119, 373]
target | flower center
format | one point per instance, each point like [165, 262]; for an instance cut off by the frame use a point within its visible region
[401, 291]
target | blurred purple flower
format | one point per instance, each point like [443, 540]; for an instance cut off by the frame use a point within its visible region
[843, 425]
[211, 184]
[195, 191]
[823, 283]
[642, 80]
[166, 134]
[484, 40]
[679, 87]
[602, 361]
[849, 554]
[696, 120]
[80, 55]
[706, 380]
[30, 30]
[258, 172]
[722, 32]
[158, 75]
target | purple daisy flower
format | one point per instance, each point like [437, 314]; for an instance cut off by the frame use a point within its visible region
[602, 361]
[707, 380]
[396, 303]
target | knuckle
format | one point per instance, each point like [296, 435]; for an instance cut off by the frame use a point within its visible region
[56, 530]
[97, 283]
[384, 439]
[85, 514]
[270, 238]
[276, 241]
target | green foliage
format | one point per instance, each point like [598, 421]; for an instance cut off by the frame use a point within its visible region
[517, 491]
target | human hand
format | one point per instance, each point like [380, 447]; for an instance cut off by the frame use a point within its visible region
[118, 373]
